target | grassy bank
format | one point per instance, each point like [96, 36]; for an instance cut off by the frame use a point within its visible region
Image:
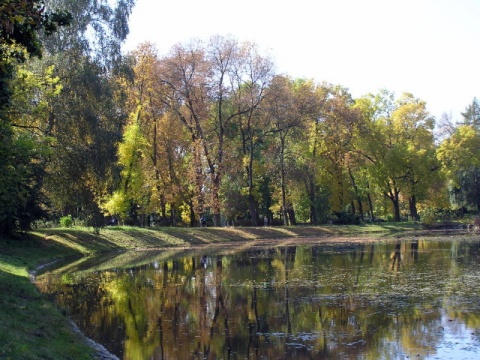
[30, 325]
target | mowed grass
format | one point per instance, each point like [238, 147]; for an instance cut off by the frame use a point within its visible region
[31, 327]
[133, 238]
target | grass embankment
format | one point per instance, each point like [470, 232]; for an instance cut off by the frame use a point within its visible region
[31, 327]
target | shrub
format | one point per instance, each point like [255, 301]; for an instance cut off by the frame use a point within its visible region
[66, 221]
[345, 218]
[43, 224]
[429, 217]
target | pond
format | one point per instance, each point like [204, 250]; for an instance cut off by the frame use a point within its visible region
[416, 297]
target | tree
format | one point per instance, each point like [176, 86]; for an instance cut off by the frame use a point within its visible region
[337, 132]
[208, 88]
[134, 194]
[471, 116]
[255, 127]
[98, 29]
[31, 100]
[459, 155]
[88, 118]
[286, 107]
[163, 157]
[464, 173]
[399, 147]
[312, 104]
[21, 23]
[416, 125]
[184, 74]
[330, 124]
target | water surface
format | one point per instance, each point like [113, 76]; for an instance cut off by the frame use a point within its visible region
[392, 299]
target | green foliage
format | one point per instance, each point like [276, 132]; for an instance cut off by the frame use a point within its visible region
[21, 23]
[85, 121]
[20, 182]
[399, 149]
[429, 217]
[471, 116]
[117, 204]
[20, 26]
[66, 221]
[460, 151]
[345, 218]
[459, 155]
[99, 29]
[444, 217]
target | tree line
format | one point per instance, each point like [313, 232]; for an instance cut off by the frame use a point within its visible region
[210, 129]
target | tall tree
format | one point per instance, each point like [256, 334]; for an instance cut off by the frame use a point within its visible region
[336, 142]
[184, 73]
[163, 156]
[255, 127]
[459, 155]
[399, 147]
[465, 183]
[209, 87]
[416, 125]
[312, 100]
[98, 30]
[287, 104]
[88, 118]
[471, 116]
[21, 23]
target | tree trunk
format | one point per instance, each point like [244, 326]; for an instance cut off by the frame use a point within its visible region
[396, 207]
[253, 209]
[282, 182]
[394, 198]
[163, 207]
[357, 194]
[370, 203]
[291, 216]
[413, 208]
[360, 208]
[311, 196]
[476, 187]
[251, 199]
[216, 198]
[198, 203]
[173, 215]
[193, 222]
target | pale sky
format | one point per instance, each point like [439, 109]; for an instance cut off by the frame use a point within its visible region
[430, 48]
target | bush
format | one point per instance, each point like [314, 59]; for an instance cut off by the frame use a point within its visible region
[345, 218]
[429, 217]
[44, 224]
[66, 221]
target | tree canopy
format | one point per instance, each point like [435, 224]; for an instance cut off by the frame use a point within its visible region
[207, 130]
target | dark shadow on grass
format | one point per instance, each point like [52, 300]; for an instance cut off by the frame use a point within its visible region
[90, 241]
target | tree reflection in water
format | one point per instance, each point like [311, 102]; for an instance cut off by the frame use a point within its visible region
[407, 298]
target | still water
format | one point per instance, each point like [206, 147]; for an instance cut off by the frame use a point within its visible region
[417, 297]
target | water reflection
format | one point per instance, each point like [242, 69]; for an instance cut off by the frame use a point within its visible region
[390, 300]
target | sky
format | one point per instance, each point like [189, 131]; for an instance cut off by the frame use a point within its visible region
[430, 48]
